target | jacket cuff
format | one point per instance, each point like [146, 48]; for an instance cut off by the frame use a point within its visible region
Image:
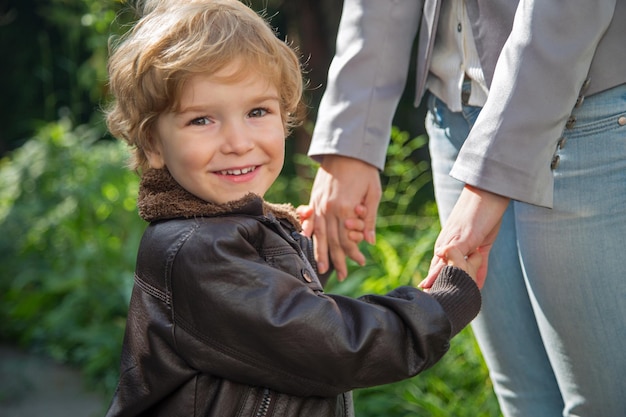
[458, 295]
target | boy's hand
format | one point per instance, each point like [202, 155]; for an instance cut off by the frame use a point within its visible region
[470, 264]
[356, 227]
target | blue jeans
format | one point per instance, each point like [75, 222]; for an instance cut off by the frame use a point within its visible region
[552, 328]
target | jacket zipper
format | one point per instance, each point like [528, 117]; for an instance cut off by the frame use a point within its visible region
[265, 404]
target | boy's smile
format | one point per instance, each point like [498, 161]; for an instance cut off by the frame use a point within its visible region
[226, 139]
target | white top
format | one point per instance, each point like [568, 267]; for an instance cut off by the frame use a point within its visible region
[454, 57]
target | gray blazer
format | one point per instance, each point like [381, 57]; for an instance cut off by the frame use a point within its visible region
[539, 58]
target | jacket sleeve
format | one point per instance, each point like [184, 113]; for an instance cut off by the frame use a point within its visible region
[539, 75]
[366, 79]
[246, 321]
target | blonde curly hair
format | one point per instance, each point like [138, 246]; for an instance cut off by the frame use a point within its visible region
[176, 39]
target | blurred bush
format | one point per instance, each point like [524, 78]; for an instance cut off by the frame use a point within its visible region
[67, 248]
[55, 61]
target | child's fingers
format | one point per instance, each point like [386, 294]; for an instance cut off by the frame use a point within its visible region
[304, 212]
[455, 257]
[359, 224]
[360, 211]
[356, 237]
[307, 227]
[355, 229]
[356, 225]
[470, 263]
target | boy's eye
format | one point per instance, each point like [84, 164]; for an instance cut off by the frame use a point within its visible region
[260, 112]
[200, 121]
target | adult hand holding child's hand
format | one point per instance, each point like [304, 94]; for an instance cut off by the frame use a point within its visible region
[470, 264]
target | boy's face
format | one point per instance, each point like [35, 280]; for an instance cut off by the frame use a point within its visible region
[226, 140]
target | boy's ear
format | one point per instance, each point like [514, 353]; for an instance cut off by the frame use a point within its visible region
[155, 155]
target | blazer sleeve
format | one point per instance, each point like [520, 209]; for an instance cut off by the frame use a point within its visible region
[366, 79]
[539, 75]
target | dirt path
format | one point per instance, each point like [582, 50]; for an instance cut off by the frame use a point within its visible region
[32, 386]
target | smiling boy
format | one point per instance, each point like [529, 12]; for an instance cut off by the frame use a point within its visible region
[227, 137]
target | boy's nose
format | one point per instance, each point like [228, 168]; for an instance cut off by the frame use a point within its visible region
[236, 139]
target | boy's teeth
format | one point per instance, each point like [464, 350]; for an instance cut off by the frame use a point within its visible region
[237, 171]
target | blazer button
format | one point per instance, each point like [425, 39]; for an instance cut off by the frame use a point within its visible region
[579, 101]
[621, 121]
[570, 122]
[561, 143]
[556, 160]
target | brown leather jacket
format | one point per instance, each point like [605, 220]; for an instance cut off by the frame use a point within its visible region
[228, 317]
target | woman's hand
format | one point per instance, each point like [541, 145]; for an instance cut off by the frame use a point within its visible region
[472, 227]
[344, 199]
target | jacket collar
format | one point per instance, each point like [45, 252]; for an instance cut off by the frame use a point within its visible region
[161, 198]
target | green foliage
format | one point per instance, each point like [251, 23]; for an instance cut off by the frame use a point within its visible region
[68, 246]
[456, 386]
[58, 52]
